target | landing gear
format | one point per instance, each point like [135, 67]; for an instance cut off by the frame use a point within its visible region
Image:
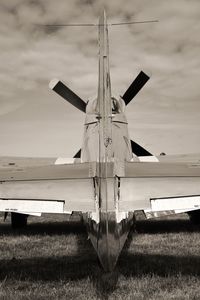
[18, 220]
[194, 217]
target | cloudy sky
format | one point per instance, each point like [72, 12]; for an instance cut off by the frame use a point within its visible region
[165, 115]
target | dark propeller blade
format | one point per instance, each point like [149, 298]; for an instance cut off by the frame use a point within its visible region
[78, 154]
[135, 87]
[67, 94]
[139, 150]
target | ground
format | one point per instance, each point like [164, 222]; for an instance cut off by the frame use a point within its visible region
[53, 259]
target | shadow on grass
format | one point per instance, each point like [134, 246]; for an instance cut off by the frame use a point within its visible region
[85, 263]
[51, 228]
[67, 227]
[161, 265]
[164, 226]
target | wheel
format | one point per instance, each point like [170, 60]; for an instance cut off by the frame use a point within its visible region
[18, 220]
[194, 216]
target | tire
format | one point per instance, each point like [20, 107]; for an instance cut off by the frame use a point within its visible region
[18, 220]
[194, 217]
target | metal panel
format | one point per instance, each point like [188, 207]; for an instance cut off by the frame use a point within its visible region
[78, 194]
[182, 203]
[52, 172]
[155, 169]
[34, 206]
[135, 193]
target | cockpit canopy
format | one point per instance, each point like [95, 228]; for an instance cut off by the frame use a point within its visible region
[118, 106]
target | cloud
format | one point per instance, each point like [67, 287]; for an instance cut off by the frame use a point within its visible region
[31, 55]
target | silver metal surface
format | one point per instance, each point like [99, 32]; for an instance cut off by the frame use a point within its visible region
[106, 233]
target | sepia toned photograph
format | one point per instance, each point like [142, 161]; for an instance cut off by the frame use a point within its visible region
[99, 149]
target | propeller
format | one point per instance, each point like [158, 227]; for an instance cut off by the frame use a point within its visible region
[139, 150]
[62, 90]
[135, 87]
[78, 154]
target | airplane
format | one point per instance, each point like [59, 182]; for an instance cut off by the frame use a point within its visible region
[109, 179]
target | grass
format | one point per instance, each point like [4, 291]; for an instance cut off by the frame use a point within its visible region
[55, 260]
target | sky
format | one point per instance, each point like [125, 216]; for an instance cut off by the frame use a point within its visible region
[163, 117]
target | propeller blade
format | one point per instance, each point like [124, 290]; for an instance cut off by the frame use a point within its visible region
[139, 150]
[135, 87]
[62, 90]
[78, 154]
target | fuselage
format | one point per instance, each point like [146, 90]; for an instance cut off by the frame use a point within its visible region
[106, 146]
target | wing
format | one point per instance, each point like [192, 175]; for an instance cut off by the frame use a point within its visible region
[47, 189]
[15, 162]
[160, 188]
[182, 158]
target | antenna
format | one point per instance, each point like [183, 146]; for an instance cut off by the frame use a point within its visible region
[91, 24]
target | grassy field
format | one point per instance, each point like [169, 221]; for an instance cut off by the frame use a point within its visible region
[55, 260]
